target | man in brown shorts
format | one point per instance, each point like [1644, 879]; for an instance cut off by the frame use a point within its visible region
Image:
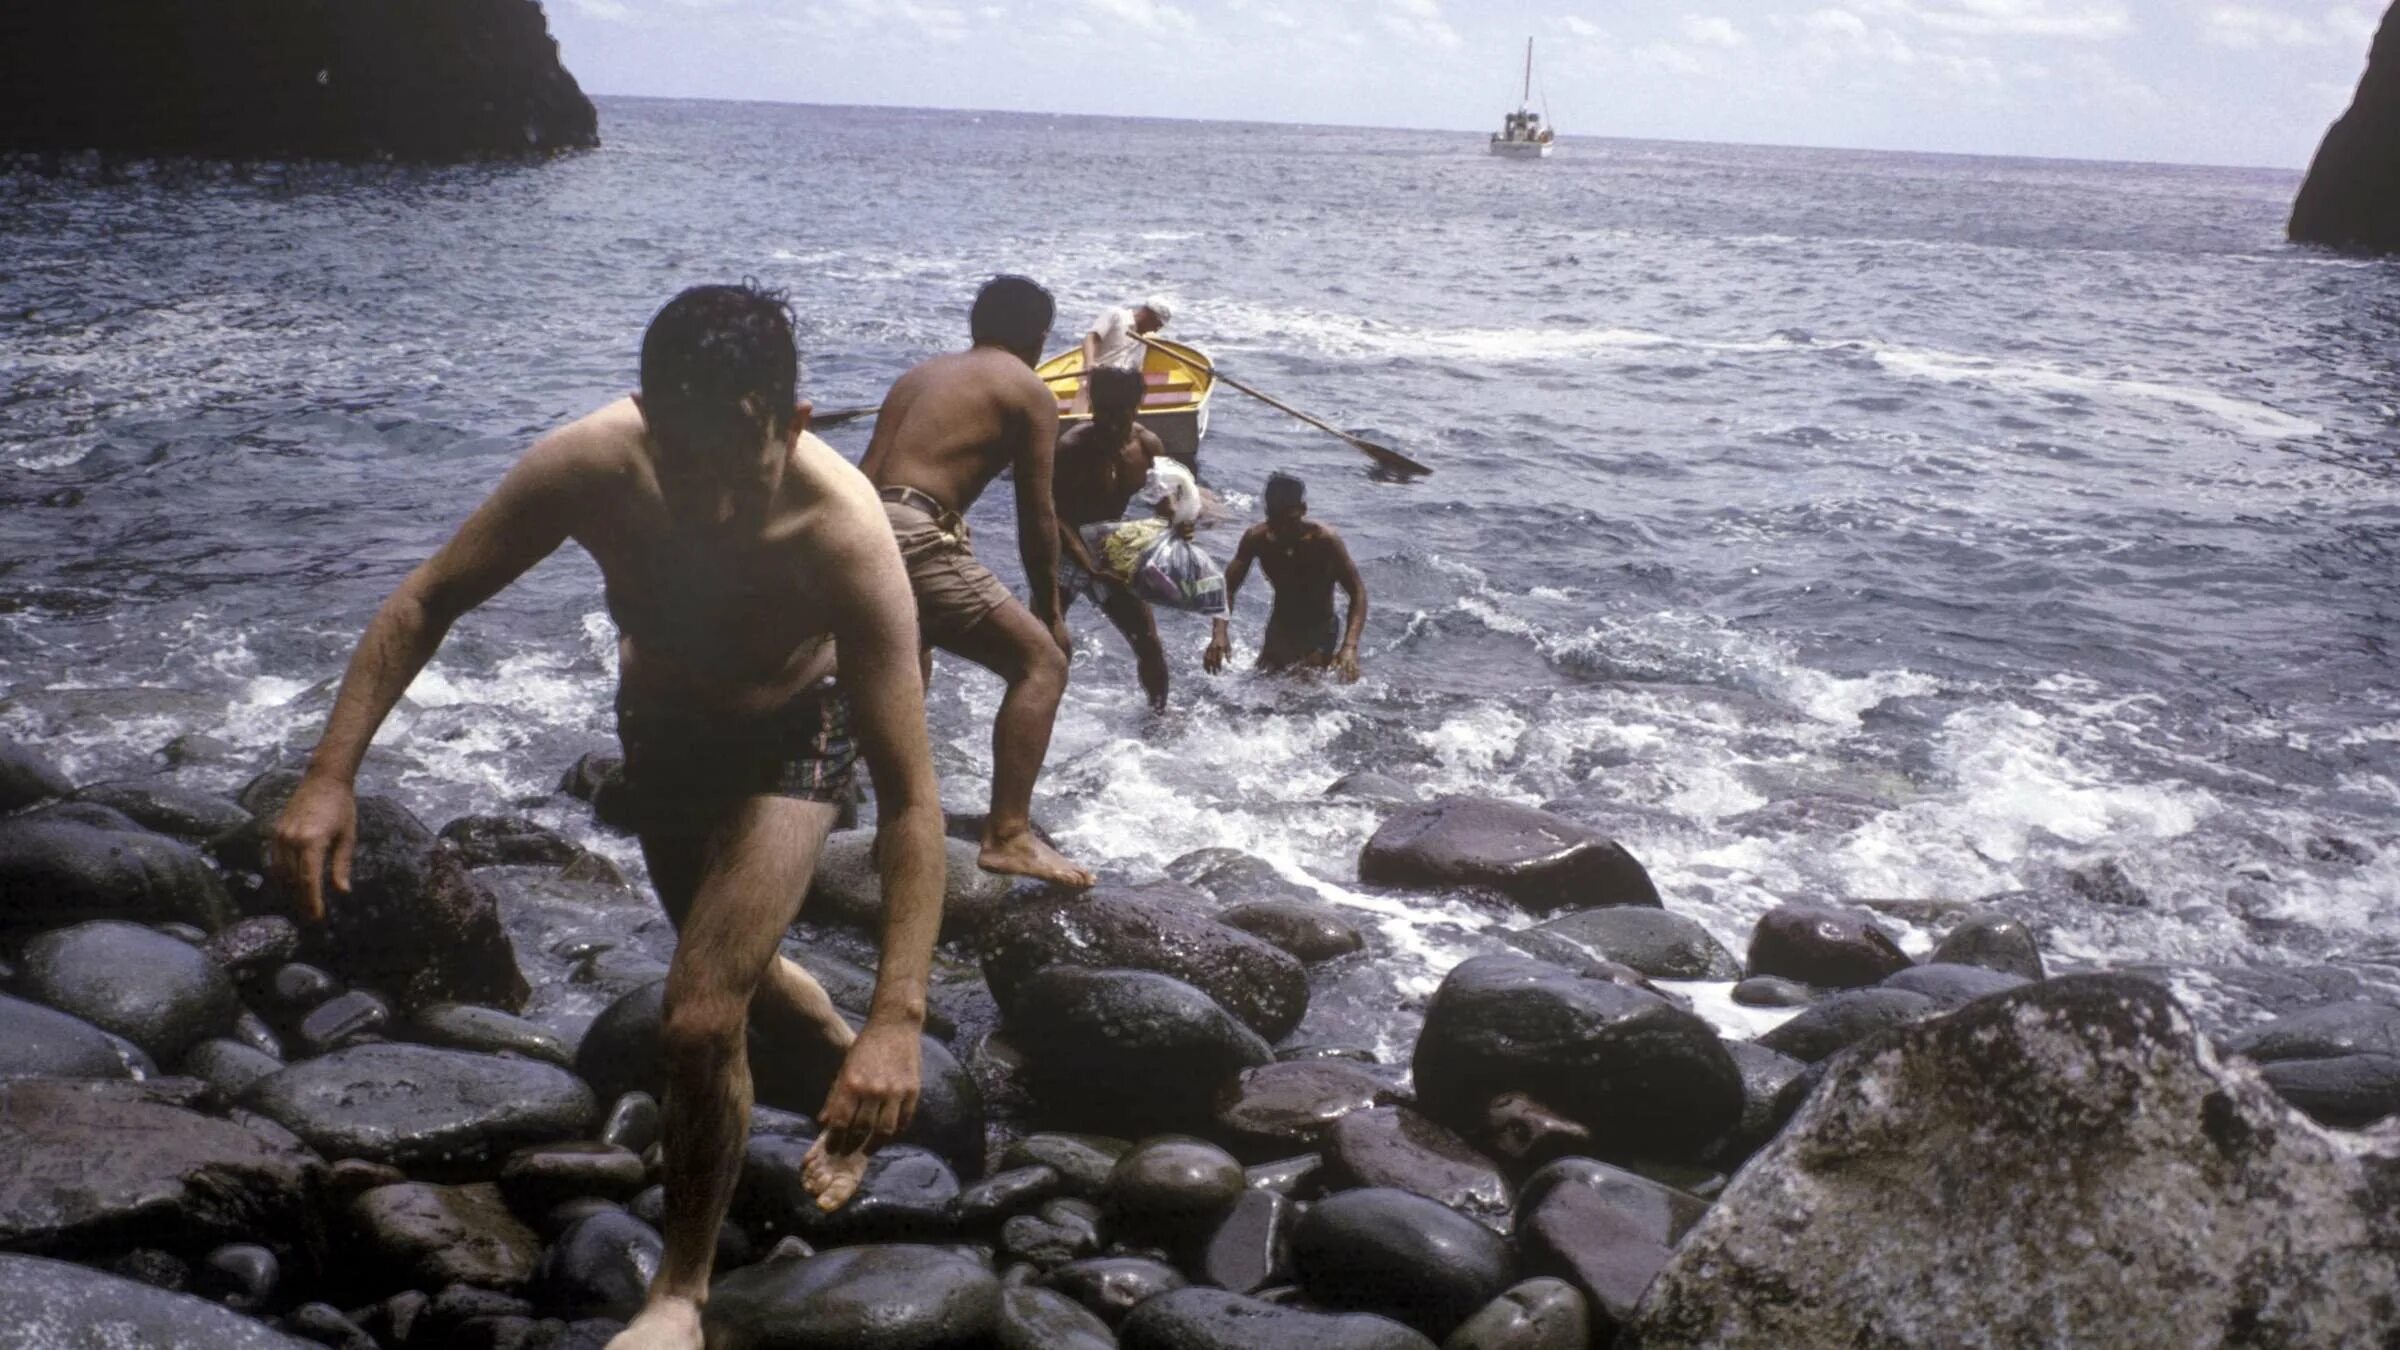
[946, 430]
[737, 550]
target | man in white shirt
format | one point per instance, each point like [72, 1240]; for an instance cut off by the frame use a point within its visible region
[1112, 342]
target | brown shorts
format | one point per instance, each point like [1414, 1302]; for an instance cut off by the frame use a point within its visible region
[954, 591]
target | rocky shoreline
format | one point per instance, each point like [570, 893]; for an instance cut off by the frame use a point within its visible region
[434, 1122]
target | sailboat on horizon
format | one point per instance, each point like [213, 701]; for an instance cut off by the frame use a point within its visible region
[1524, 134]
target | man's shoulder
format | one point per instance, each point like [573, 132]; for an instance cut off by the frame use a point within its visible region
[601, 442]
[832, 482]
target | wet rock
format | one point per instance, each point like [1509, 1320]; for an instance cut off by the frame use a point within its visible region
[2352, 1027]
[1832, 948]
[1604, 1230]
[150, 1266]
[1172, 1190]
[252, 1030]
[2053, 1131]
[1064, 1230]
[600, 1267]
[858, 1298]
[327, 1325]
[592, 774]
[1232, 877]
[1844, 1020]
[26, 778]
[1540, 1314]
[1245, 1253]
[343, 1019]
[1218, 1319]
[55, 872]
[195, 749]
[1765, 1075]
[1541, 861]
[505, 841]
[253, 946]
[1163, 1047]
[1773, 991]
[1395, 1147]
[2346, 1091]
[2108, 883]
[792, 1071]
[162, 994]
[240, 1275]
[1043, 1319]
[541, 1177]
[43, 1042]
[985, 1204]
[193, 817]
[1112, 1286]
[433, 1111]
[1402, 1255]
[848, 889]
[227, 1065]
[417, 1235]
[1368, 786]
[1525, 1134]
[1297, 1176]
[1952, 986]
[1285, 1105]
[1084, 1162]
[1117, 928]
[633, 1122]
[91, 1166]
[1308, 929]
[48, 1304]
[1658, 944]
[464, 1026]
[1994, 941]
[1643, 1077]
[907, 1194]
[298, 986]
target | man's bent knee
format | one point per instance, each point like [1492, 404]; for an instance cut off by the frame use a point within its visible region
[701, 1034]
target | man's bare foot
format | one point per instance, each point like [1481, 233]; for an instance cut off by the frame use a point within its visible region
[667, 1324]
[807, 999]
[1024, 854]
[832, 1177]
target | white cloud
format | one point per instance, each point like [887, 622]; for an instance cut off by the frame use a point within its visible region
[1420, 21]
[1154, 15]
[1579, 26]
[2247, 27]
[612, 10]
[1672, 59]
[2078, 20]
[1712, 30]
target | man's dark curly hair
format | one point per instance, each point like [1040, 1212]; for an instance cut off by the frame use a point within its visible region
[722, 357]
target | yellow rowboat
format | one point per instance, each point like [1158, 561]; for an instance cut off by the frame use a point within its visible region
[1174, 407]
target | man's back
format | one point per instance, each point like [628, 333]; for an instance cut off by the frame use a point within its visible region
[1098, 472]
[949, 426]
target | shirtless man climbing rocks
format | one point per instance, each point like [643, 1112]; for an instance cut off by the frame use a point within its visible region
[946, 430]
[738, 551]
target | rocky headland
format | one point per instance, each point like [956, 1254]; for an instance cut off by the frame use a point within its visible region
[434, 1123]
[426, 80]
[2351, 198]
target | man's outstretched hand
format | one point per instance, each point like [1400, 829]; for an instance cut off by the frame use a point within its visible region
[875, 1096]
[319, 826]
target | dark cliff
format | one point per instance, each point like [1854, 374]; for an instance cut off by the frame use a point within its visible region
[2351, 199]
[337, 79]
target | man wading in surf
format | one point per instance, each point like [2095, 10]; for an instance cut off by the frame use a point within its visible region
[945, 431]
[738, 552]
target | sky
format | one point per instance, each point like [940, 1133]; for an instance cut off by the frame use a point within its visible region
[2242, 82]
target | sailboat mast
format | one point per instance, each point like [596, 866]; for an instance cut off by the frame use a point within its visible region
[1527, 96]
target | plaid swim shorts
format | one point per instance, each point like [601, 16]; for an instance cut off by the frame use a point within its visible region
[684, 761]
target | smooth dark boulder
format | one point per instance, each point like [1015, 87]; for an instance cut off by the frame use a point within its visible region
[1112, 1286]
[1163, 1047]
[356, 1015]
[857, 1298]
[1951, 985]
[1033, 1318]
[2071, 1134]
[1218, 1319]
[1310, 930]
[193, 817]
[439, 1112]
[1084, 1162]
[240, 1275]
[1246, 1252]
[1172, 1189]
[2346, 1091]
[1401, 1255]
[848, 888]
[507, 841]
[365, 80]
[2351, 197]
[1063, 1231]
[1830, 948]
[158, 992]
[1765, 1074]
[983, 1206]
[1396, 1147]
[540, 1177]
[1543, 1314]
[1644, 1077]
[2352, 1027]
[1290, 1104]
[56, 872]
[1994, 941]
[1541, 861]
[790, 1069]
[421, 1236]
[41, 1042]
[1845, 1019]
[1148, 929]
[26, 777]
[907, 1195]
[1232, 877]
[464, 1026]
[1660, 945]
[601, 1266]
[51, 1305]
[227, 1065]
[1774, 991]
[1603, 1230]
[90, 1167]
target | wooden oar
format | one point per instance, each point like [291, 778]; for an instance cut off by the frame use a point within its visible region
[1383, 455]
[837, 416]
